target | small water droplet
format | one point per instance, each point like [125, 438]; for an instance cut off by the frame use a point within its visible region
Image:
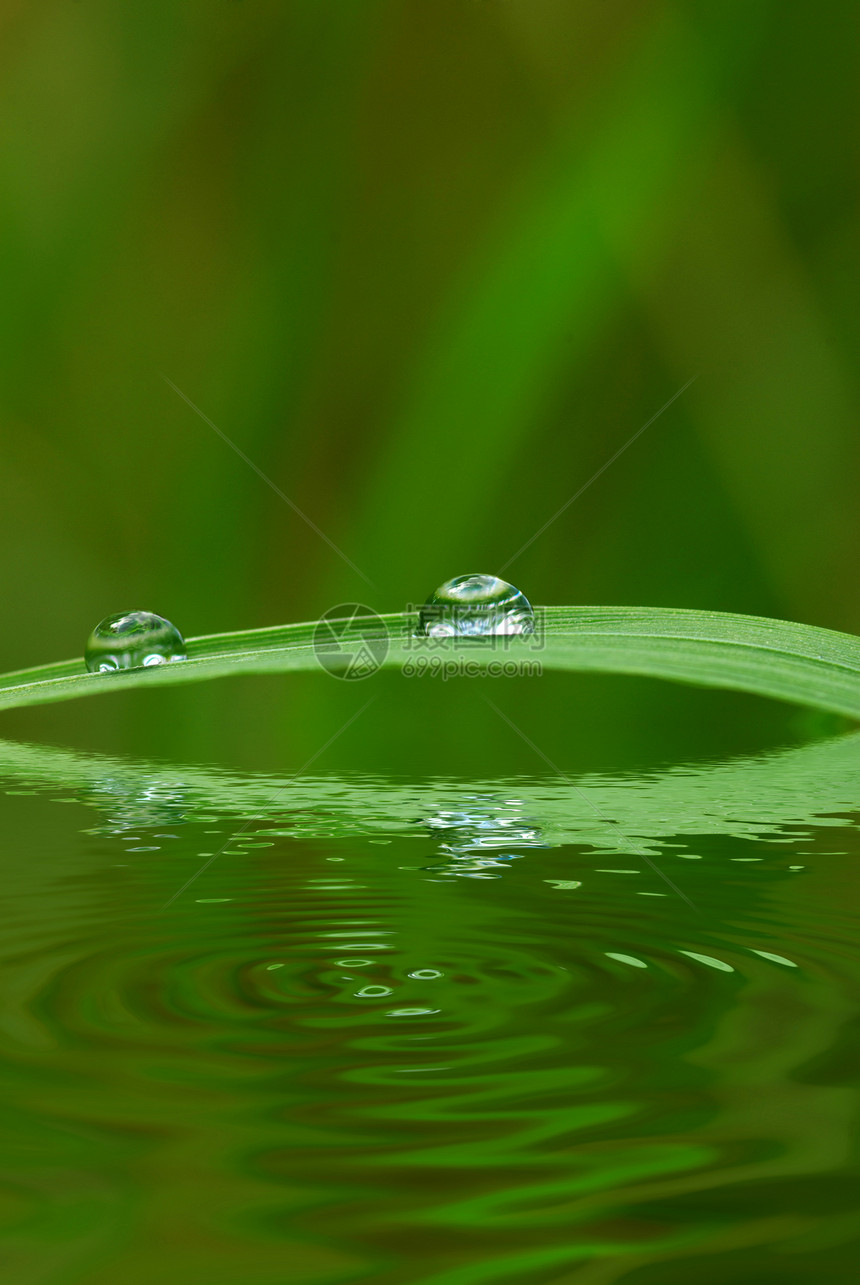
[133, 639]
[374, 992]
[425, 974]
[475, 606]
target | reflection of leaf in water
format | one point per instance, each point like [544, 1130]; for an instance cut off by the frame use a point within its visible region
[567, 1029]
[741, 798]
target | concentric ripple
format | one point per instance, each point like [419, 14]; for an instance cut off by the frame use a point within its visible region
[433, 1032]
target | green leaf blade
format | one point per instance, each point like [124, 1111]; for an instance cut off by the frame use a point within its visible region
[798, 663]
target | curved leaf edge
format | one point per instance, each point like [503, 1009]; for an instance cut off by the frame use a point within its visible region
[804, 664]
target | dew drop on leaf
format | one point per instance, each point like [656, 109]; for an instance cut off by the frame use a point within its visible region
[133, 639]
[475, 606]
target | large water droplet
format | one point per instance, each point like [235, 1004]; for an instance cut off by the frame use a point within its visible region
[132, 639]
[475, 606]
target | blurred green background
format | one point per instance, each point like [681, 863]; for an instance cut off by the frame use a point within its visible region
[429, 264]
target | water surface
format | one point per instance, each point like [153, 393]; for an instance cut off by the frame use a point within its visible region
[436, 1031]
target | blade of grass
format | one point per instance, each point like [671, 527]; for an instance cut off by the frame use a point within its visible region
[792, 662]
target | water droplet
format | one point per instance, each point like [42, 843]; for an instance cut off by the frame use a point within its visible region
[475, 606]
[133, 639]
[374, 992]
[425, 974]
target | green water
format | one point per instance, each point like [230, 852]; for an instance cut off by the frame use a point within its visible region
[433, 1031]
